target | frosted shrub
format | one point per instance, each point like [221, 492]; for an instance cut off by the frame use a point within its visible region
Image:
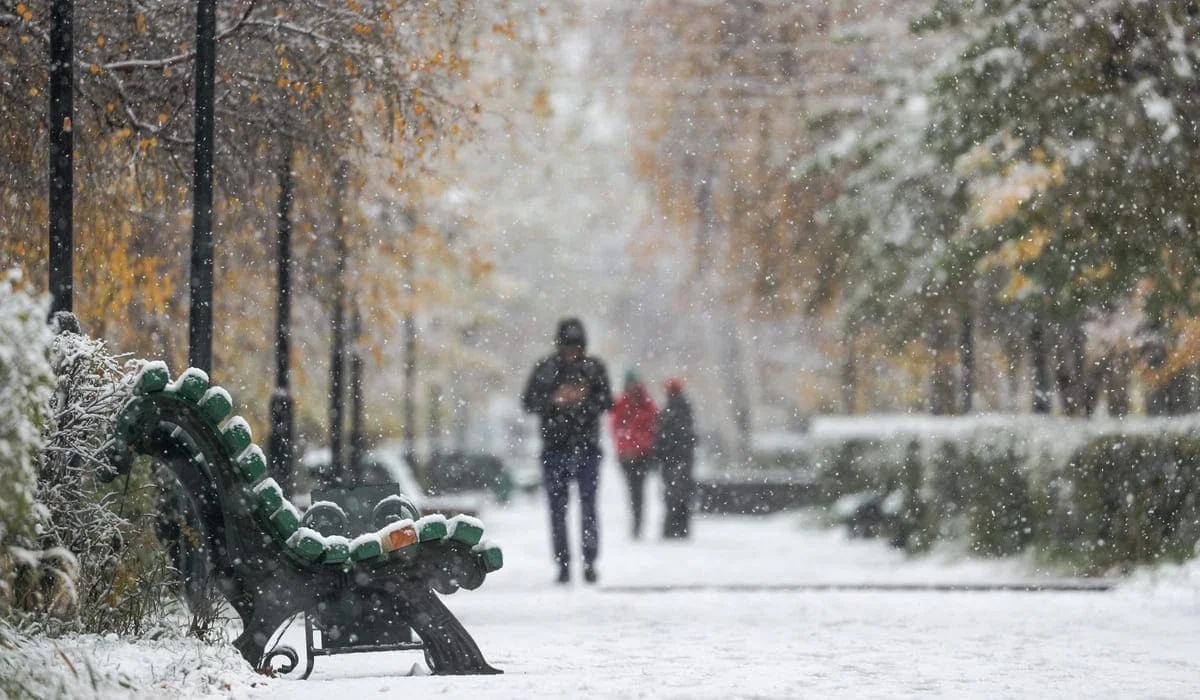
[122, 578]
[1093, 495]
[25, 388]
[74, 554]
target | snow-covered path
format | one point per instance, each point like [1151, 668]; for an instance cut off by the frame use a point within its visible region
[1142, 640]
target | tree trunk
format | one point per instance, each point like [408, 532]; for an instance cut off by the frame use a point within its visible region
[966, 348]
[1038, 358]
[850, 375]
[1070, 367]
[738, 392]
[1116, 382]
[942, 392]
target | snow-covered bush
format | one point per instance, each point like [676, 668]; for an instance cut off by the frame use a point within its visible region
[75, 554]
[26, 383]
[123, 578]
[1094, 495]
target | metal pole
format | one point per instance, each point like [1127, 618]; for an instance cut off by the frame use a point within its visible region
[409, 330]
[62, 148]
[200, 315]
[279, 447]
[357, 439]
[338, 360]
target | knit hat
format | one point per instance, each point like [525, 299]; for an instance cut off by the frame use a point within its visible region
[631, 376]
[570, 333]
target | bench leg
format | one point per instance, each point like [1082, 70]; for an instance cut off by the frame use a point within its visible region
[449, 649]
[257, 631]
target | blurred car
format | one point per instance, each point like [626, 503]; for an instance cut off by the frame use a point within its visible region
[468, 472]
[380, 467]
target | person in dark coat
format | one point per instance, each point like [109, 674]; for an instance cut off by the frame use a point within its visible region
[634, 426]
[676, 448]
[568, 390]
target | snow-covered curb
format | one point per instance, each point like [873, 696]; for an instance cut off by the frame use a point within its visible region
[84, 666]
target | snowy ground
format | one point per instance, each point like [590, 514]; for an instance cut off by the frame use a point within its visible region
[749, 608]
[747, 636]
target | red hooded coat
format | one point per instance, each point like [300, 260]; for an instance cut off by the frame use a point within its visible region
[634, 423]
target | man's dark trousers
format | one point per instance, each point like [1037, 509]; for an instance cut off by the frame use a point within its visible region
[559, 466]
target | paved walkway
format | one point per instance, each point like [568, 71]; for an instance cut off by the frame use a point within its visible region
[776, 608]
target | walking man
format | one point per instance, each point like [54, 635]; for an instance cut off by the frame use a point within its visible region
[568, 390]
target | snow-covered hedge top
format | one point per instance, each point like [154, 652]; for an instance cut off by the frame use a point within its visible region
[1038, 440]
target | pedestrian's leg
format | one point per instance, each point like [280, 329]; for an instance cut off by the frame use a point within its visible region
[670, 496]
[635, 477]
[554, 479]
[671, 520]
[687, 498]
[588, 474]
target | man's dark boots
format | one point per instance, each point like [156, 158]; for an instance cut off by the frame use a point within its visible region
[589, 573]
[564, 574]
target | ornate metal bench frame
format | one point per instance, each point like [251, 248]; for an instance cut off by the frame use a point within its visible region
[266, 564]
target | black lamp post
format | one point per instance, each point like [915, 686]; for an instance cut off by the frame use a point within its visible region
[358, 442]
[279, 446]
[62, 146]
[409, 331]
[338, 359]
[201, 287]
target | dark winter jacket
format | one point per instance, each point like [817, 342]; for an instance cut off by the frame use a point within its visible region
[570, 425]
[676, 443]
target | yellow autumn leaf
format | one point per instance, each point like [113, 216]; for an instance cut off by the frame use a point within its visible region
[1017, 286]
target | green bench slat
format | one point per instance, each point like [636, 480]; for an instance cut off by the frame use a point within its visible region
[366, 547]
[491, 558]
[465, 532]
[237, 435]
[337, 550]
[191, 385]
[251, 465]
[431, 528]
[268, 498]
[215, 406]
[153, 378]
[306, 543]
[286, 522]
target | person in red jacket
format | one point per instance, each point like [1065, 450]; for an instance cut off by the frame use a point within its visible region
[635, 424]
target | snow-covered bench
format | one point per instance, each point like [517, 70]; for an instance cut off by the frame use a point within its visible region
[260, 552]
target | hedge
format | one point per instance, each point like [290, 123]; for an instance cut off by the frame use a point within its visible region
[1094, 495]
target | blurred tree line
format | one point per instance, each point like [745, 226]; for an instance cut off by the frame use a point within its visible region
[364, 98]
[988, 197]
